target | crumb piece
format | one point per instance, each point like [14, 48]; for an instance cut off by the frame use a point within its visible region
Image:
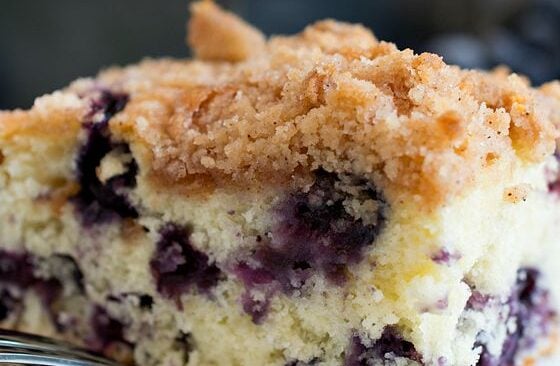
[217, 35]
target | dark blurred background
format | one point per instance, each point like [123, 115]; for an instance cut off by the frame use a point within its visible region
[46, 44]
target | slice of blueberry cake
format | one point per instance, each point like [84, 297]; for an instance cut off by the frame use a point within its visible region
[318, 199]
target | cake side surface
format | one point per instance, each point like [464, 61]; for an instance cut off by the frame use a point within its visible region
[319, 199]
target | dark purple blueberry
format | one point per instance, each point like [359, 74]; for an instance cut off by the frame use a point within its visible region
[256, 279]
[391, 342]
[358, 354]
[109, 104]
[48, 290]
[8, 304]
[178, 267]
[314, 235]
[253, 277]
[532, 313]
[389, 345]
[105, 330]
[16, 269]
[96, 201]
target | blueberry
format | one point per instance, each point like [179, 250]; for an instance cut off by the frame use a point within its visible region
[16, 269]
[392, 343]
[314, 235]
[8, 304]
[532, 314]
[109, 104]
[105, 330]
[389, 345]
[177, 266]
[48, 290]
[100, 202]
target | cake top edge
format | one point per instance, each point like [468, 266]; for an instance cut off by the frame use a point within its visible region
[249, 110]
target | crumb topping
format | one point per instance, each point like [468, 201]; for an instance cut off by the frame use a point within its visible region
[218, 35]
[249, 112]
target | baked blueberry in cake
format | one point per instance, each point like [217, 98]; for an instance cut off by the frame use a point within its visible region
[316, 199]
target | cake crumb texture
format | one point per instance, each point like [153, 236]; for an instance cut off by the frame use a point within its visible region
[317, 199]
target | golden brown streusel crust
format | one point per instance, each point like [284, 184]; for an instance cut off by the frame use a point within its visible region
[334, 97]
